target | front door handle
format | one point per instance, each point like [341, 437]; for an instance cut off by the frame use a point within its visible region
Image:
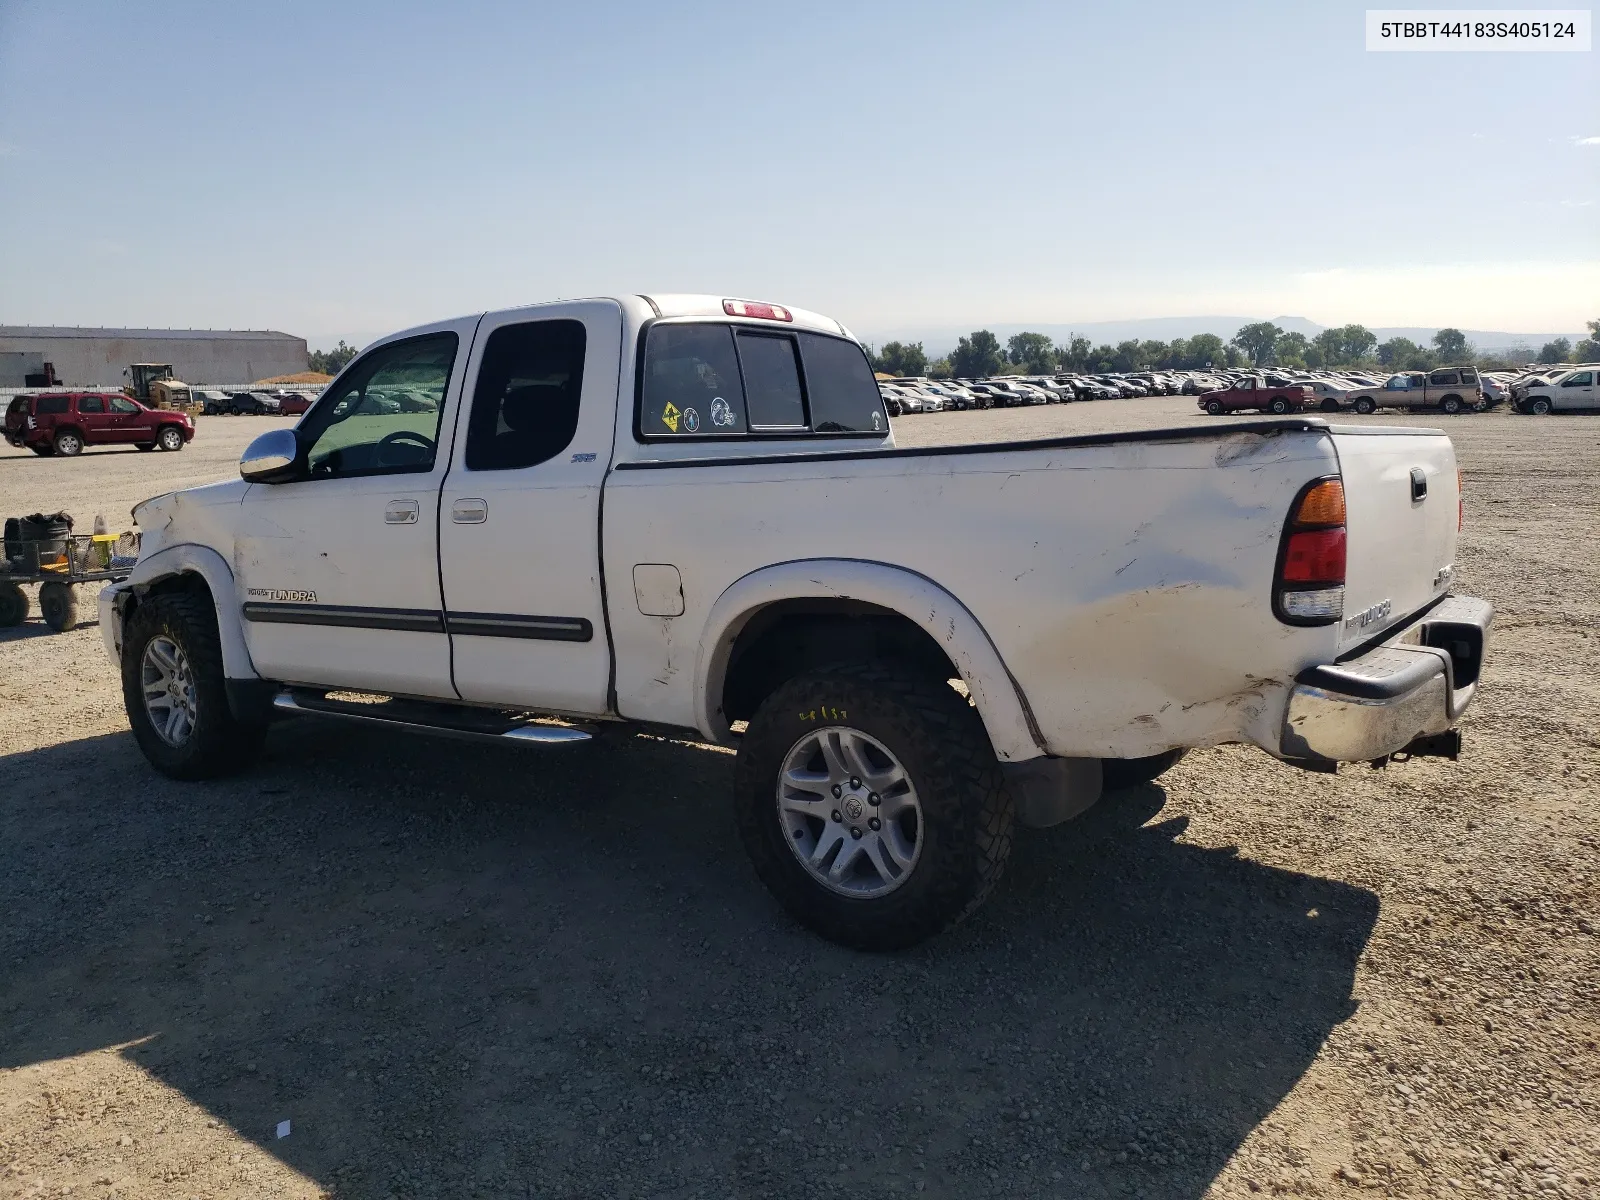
[400, 512]
[469, 511]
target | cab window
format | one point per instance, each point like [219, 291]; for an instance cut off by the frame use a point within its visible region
[839, 384]
[121, 404]
[382, 418]
[691, 384]
[771, 381]
[1578, 379]
[525, 404]
[91, 404]
[1445, 378]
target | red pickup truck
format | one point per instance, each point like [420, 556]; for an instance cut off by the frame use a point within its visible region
[1254, 392]
[65, 422]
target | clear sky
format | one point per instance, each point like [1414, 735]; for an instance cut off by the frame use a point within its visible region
[339, 169]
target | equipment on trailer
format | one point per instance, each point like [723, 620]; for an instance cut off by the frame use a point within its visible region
[43, 549]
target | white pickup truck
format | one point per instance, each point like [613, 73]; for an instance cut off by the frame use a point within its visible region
[537, 525]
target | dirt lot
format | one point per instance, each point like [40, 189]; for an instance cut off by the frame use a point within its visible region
[475, 972]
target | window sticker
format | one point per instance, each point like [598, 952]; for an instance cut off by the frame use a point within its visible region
[670, 415]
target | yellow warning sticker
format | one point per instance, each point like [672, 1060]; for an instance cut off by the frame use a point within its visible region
[670, 415]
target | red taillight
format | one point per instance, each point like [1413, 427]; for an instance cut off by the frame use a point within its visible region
[750, 308]
[1314, 556]
[1309, 588]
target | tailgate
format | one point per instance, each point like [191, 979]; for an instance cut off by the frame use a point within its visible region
[1402, 535]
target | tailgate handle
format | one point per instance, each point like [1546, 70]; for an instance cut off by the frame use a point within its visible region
[1419, 484]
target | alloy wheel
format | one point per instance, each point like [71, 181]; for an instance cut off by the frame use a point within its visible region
[170, 700]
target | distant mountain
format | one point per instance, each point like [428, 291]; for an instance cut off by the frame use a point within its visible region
[939, 341]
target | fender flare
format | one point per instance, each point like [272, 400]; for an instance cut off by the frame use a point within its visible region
[189, 558]
[1010, 723]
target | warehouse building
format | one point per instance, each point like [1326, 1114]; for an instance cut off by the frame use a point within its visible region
[85, 357]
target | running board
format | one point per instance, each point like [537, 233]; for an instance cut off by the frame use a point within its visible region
[436, 720]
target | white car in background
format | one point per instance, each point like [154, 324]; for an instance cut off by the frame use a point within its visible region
[1328, 395]
[1567, 392]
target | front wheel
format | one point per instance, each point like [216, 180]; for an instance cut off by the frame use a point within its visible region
[174, 692]
[145, 445]
[1214, 407]
[1450, 405]
[872, 805]
[43, 451]
[59, 604]
[1539, 406]
[1365, 407]
[170, 438]
[1330, 405]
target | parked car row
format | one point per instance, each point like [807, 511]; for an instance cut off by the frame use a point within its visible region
[255, 404]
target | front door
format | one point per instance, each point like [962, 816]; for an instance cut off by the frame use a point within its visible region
[135, 422]
[519, 518]
[1576, 391]
[339, 569]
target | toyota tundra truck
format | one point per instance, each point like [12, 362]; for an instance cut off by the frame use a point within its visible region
[689, 513]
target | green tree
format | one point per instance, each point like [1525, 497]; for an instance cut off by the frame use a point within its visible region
[1258, 341]
[1451, 346]
[1291, 349]
[1074, 356]
[1033, 352]
[1402, 354]
[978, 354]
[1555, 351]
[1588, 350]
[898, 358]
[1205, 350]
[331, 362]
[939, 368]
[1345, 346]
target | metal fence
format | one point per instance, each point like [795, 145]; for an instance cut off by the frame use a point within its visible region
[309, 390]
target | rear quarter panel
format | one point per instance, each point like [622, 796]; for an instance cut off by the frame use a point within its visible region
[1126, 586]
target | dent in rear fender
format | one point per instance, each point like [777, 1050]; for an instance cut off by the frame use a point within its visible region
[210, 566]
[999, 699]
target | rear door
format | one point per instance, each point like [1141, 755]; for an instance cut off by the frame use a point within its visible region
[1402, 504]
[519, 522]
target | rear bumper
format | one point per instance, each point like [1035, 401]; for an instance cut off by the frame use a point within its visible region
[1416, 684]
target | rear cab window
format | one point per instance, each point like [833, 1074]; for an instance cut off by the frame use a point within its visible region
[711, 380]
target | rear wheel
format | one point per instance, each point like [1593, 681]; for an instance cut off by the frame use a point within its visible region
[1121, 773]
[68, 443]
[170, 438]
[1539, 406]
[1365, 406]
[872, 805]
[1214, 407]
[1279, 405]
[59, 604]
[174, 692]
[13, 605]
[1330, 405]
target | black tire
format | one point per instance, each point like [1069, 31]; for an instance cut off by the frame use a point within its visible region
[170, 438]
[13, 605]
[1279, 405]
[1118, 774]
[1365, 407]
[1450, 405]
[1330, 405]
[1214, 407]
[967, 813]
[43, 451]
[218, 743]
[59, 604]
[68, 443]
[1539, 406]
[145, 445]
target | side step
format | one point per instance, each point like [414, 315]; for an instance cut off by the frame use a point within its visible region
[437, 720]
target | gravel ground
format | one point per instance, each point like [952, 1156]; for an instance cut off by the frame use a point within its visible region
[464, 971]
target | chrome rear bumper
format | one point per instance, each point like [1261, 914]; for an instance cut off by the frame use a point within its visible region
[1415, 685]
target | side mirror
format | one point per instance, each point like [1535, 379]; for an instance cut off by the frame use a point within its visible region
[271, 458]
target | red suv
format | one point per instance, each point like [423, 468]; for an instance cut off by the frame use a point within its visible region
[65, 422]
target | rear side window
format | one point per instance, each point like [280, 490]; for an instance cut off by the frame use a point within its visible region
[691, 382]
[52, 405]
[844, 396]
[525, 405]
[710, 380]
[91, 404]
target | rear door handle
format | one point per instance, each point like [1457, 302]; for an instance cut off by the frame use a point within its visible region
[400, 512]
[469, 511]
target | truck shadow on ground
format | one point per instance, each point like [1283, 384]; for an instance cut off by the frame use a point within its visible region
[466, 971]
